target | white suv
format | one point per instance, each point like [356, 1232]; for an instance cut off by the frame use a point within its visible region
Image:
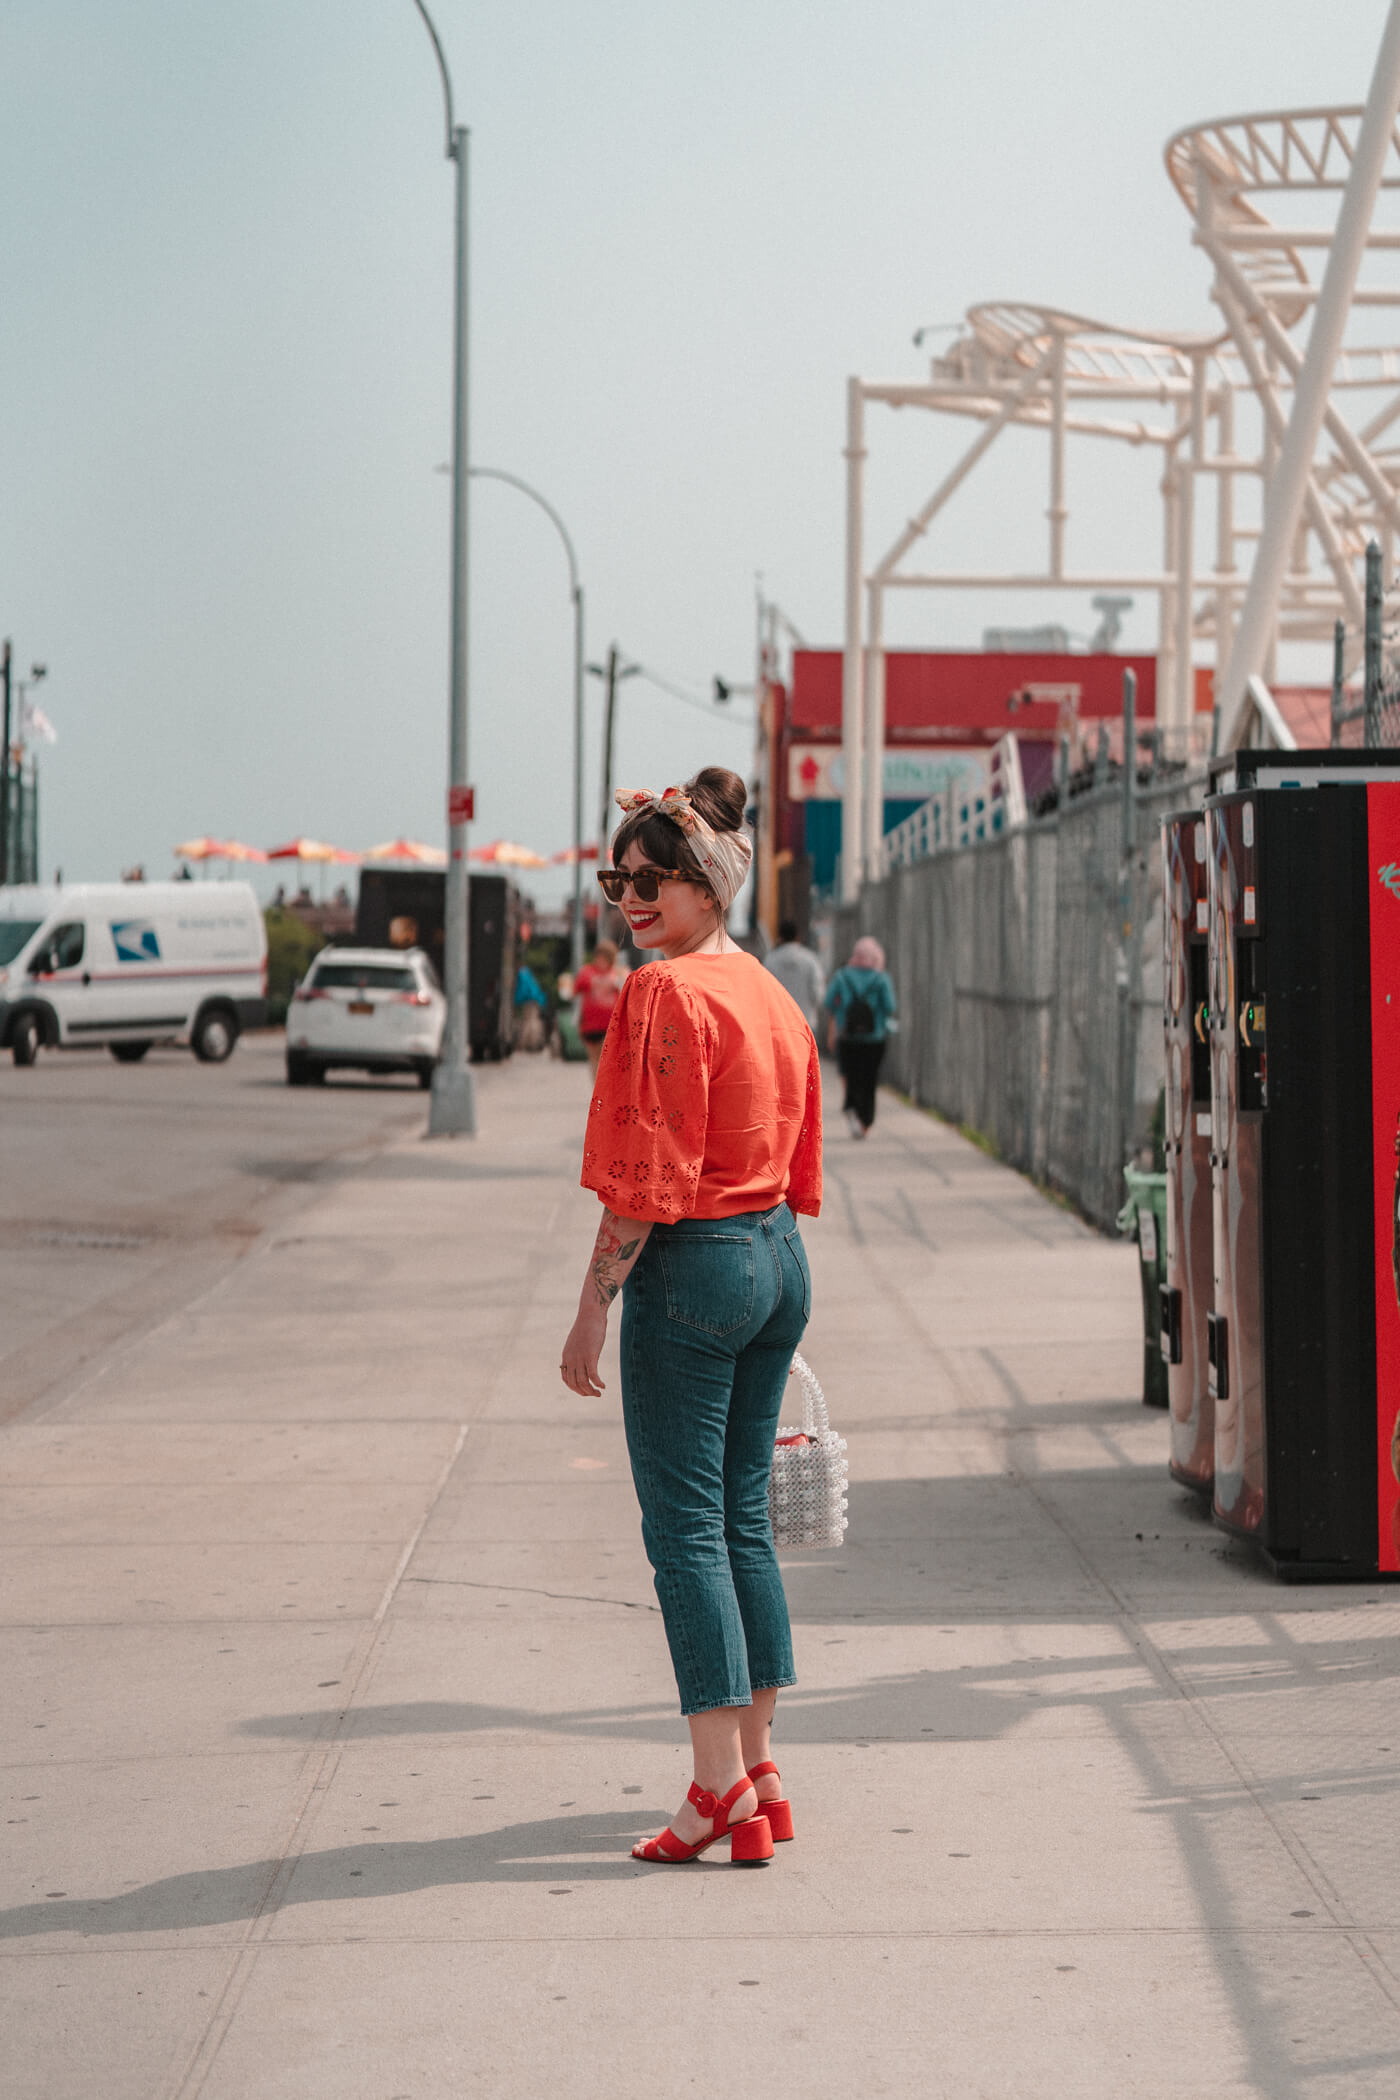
[375, 1009]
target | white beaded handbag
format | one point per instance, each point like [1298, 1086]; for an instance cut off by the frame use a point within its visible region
[807, 1486]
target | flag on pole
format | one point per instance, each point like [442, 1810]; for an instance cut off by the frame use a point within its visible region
[34, 722]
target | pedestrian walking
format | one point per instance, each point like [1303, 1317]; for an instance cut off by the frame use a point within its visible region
[531, 1011]
[798, 972]
[703, 1141]
[597, 988]
[860, 1000]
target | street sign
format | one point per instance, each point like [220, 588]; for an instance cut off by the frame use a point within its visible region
[461, 805]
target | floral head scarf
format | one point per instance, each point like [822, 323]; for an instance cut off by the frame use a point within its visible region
[723, 856]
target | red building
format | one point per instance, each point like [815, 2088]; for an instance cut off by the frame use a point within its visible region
[945, 711]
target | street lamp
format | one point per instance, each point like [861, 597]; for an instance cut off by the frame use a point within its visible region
[576, 591]
[453, 1107]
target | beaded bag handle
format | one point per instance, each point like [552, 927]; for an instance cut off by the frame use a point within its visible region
[815, 1421]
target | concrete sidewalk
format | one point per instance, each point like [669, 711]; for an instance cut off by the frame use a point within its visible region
[335, 1692]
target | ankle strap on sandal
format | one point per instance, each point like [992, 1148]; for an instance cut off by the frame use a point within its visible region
[762, 1771]
[707, 1804]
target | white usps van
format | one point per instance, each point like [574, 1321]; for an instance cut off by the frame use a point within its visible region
[129, 964]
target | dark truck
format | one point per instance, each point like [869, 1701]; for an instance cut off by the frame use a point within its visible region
[405, 909]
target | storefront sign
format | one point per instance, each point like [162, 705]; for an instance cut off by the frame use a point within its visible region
[817, 773]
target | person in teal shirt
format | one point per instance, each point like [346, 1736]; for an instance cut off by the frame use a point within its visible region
[531, 1011]
[861, 1002]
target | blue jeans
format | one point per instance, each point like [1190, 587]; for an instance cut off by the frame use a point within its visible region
[710, 1317]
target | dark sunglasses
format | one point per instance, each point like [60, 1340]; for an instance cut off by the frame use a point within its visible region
[646, 882]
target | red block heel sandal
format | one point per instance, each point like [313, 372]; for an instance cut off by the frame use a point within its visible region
[750, 1841]
[779, 1813]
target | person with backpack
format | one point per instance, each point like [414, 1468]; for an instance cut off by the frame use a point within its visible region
[860, 1000]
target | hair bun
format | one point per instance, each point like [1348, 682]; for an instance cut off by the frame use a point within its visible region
[720, 796]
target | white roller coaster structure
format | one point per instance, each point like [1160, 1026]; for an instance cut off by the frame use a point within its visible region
[1314, 415]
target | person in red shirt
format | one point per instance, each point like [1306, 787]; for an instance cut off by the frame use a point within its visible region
[703, 1141]
[597, 988]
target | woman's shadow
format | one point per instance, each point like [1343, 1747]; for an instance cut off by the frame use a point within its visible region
[557, 1849]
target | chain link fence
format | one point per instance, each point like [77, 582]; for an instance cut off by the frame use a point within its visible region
[1369, 717]
[1028, 970]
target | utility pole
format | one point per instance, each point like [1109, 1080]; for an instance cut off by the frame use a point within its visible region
[612, 673]
[5, 771]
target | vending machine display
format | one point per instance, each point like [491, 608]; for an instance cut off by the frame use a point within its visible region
[1304, 1031]
[1186, 1294]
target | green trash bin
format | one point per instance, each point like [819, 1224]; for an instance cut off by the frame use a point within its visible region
[1144, 1215]
[571, 1047]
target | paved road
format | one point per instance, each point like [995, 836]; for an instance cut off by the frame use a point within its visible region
[126, 1189]
[334, 1691]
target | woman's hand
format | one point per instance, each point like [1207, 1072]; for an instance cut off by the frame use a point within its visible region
[578, 1366]
[615, 1251]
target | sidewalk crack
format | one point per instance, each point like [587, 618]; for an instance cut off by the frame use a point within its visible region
[318, 1770]
[525, 1589]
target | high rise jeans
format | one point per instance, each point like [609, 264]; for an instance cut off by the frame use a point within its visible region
[711, 1314]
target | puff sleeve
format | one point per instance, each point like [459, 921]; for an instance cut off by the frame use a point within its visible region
[645, 1143]
[805, 1174]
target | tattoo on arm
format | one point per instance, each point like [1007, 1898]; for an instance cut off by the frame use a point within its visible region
[618, 1244]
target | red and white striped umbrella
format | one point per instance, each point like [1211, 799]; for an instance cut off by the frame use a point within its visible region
[506, 854]
[218, 849]
[304, 849]
[409, 849]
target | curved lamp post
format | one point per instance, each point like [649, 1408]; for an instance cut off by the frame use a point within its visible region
[453, 1109]
[576, 592]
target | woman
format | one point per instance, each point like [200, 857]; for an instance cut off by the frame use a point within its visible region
[704, 1137]
[597, 988]
[860, 1000]
[531, 1010]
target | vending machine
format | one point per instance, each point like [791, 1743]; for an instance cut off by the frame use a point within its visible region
[1186, 1294]
[1304, 1032]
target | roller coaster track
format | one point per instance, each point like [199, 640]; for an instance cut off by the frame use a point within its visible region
[1282, 149]
[1213, 405]
[1044, 367]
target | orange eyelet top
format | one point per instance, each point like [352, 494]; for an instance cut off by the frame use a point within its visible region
[708, 1096]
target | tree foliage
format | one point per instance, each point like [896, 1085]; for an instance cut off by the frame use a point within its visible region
[291, 944]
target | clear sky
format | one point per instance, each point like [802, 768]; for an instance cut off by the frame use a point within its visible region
[226, 321]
